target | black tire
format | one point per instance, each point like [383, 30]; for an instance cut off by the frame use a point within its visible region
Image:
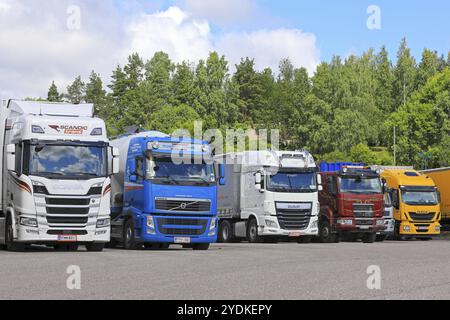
[369, 237]
[305, 239]
[95, 247]
[225, 232]
[129, 239]
[325, 233]
[252, 231]
[381, 237]
[9, 241]
[201, 246]
[397, 236]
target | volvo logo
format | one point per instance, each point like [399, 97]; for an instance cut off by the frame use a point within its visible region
[183, 206]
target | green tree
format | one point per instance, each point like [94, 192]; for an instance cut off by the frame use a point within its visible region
[53, 94]
[75, 91]
[405, 74]
[428, 67]
[96, 94]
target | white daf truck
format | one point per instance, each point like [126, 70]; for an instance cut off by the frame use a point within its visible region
[269, 195]
[55, 168]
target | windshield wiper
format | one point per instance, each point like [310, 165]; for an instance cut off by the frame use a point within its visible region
[169, 178]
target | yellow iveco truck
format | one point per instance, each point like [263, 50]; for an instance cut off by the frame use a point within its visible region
[415, 198]
[441, 178]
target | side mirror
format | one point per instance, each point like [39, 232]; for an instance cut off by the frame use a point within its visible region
[133, 178]
[258, 178]
[11, 157]
[115, 161]
[222, 180]
[319, 179]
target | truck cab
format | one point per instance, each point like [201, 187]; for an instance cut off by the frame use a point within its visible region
[56, 170]
[415, 198]
[166, 193]
[269, 196]
[352, 203]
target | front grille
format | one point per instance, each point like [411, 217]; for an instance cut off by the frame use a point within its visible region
[67, 220]
[363, 210]
[182, 206]
[67, 211]
[67, 232]
[422, 217]
[67, 202]
[293, 219]
[364, 222]
[173, 226]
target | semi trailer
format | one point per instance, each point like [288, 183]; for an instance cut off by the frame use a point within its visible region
[352, 203]
[165, 193]
[56, 164]
[415, 198]
[268, 195]
[441, 178]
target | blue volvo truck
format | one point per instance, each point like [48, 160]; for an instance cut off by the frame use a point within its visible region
[165, 193]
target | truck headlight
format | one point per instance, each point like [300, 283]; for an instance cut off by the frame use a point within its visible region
[380, 222]
[437, 229]
[28, 222]
[407, 228]
[213, 224]
[271, 224]
[150, 222]
[314, 225]
[103, 223]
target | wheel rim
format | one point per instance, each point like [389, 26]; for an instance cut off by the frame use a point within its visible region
[253, 231]
[9, 234]
[225, 233]
[128, 236]
[325, 232]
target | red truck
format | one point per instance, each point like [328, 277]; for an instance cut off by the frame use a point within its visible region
[352, 203]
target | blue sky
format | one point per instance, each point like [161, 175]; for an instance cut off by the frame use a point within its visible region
[57, 40]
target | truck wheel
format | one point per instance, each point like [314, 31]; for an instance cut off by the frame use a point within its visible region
[252, 231]
[95, 247]
[201, 246]
[305, 240]
[381, 238]
[325, 233]
[369, 238]
[9, 241]
[225, 232]
[129, 240]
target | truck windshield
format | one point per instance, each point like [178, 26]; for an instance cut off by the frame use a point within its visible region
[67, 161]
[292, 182]
[358, 185]
[167, 170]
[420, 198]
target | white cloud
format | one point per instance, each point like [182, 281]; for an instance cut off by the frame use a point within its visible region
[268, 47]
[37, 46]
[220, 11]
[173, 32]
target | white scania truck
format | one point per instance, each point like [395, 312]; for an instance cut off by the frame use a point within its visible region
[269, 195]
[55, 166]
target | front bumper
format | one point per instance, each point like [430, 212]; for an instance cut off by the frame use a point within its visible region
[41, 235]
[271, 227]
[352, 225]
[155, 235]
[418, 229]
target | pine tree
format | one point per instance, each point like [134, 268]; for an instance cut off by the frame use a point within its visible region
[428, 67]
[405, 74]
[385, 77]
[53, 94]
[96, 94]
[75, 92]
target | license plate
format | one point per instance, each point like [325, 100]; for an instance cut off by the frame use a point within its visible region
[364, 227]
[183, 240]
[422, 228]
[295, 234]
[67, 238]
